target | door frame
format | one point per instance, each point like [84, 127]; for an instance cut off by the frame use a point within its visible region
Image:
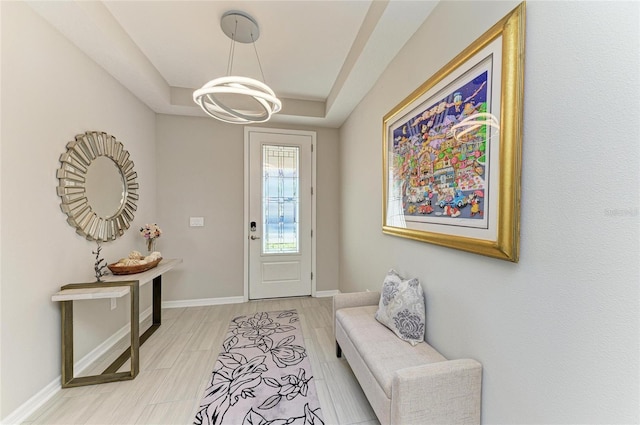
[312, 134]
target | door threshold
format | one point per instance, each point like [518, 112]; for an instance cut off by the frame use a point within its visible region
[281, 298]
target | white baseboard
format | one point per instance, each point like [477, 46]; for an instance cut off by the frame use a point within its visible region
[86, 361]
[227, 300]
[331, 293]
[202, 302]
[34, 403]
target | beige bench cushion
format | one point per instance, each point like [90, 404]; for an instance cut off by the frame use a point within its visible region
[382, 351]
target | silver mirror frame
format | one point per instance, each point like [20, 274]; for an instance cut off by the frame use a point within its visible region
[75, 163]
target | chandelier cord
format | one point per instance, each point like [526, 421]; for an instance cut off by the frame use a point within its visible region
[232, 50]
[258, 57]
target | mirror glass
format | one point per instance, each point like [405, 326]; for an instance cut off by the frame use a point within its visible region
[97, 186]
[104, 187]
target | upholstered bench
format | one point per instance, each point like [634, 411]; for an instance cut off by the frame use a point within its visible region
[404, 384]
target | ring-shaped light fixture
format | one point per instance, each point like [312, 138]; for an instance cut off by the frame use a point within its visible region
[241, 27]
[473, 122]
[207, 98]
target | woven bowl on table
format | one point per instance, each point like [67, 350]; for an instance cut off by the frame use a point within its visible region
[120, 270]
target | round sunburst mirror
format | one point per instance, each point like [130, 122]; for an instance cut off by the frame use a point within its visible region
[97, 186]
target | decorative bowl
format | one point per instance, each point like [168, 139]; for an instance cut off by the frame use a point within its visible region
[121, 270]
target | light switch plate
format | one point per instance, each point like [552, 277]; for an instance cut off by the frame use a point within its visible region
[196, 221]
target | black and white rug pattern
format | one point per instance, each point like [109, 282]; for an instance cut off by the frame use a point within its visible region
[262, 376]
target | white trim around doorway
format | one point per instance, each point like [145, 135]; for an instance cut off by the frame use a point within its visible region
[314, 148]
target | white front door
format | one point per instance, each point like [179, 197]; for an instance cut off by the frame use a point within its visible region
[279, 225]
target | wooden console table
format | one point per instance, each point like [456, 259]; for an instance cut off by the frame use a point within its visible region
[112, 287]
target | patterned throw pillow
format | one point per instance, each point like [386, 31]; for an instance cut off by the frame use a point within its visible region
[401, 307]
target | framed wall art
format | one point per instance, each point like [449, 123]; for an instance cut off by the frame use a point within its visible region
[452, 149]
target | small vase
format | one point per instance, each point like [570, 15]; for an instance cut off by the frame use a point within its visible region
[151, 245]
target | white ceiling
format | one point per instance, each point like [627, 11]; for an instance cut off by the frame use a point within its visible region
[320, 57]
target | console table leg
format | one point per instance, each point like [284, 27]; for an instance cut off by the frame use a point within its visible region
[156, 309]
[66, 312]
[110, 374]
[157, 299]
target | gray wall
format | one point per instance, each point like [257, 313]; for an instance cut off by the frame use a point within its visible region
[200, 173]
[557, 333]
[50, 92]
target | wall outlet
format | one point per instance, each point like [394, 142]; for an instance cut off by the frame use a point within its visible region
[196, 221]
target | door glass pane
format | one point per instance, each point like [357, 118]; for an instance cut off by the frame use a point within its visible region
[280, 199]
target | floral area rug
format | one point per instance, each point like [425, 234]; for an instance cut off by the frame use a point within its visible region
[262, 376]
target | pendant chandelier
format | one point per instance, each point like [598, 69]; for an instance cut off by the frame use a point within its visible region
[235, 99]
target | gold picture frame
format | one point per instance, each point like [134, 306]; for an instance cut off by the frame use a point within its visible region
[452, 149]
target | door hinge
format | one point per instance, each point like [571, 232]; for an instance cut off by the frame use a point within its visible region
[312, 190]
[311, 275]
[311, 148]
[311, 232]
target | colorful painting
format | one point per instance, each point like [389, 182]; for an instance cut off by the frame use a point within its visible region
[452, 149]
[438, 174]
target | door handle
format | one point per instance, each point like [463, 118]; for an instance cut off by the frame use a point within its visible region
[253, 238]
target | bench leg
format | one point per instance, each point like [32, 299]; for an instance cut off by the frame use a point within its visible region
[338, 350]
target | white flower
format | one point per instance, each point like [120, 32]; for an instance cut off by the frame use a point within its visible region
[150, 231]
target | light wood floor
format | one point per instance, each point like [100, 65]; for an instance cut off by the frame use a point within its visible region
[176, 362]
